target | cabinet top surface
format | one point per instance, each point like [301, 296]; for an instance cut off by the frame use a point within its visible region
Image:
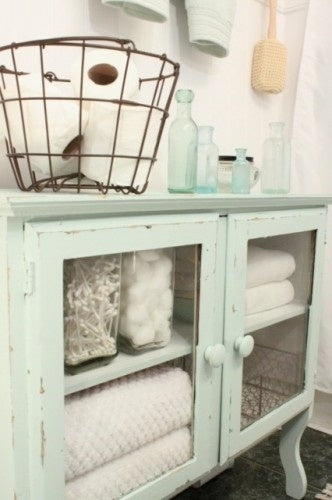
[15, 203]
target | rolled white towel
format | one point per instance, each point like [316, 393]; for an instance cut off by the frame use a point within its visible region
[266, 266]
[108, 421]
[264, 297]
[149, 10]
[210, 25]
[117, 478]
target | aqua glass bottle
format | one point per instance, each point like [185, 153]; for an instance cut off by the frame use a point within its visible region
[207, 162]
[241, 173]
[182, 146]
[275, 174]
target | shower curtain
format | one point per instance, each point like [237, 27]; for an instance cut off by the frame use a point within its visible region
[312, 158]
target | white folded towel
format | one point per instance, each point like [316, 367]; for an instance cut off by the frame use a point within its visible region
[117, 478]
[110, 420]
[149, 10]
[265, 266]
[264, 297]
[210, 25]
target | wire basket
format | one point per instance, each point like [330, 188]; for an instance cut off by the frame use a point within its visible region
[83, 112]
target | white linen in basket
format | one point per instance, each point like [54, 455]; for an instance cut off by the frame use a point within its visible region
[119, 477]
[110, 420]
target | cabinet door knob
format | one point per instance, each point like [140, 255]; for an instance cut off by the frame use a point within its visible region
[215, 355]
[244, 345]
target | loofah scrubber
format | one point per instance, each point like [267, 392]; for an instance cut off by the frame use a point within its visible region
[269, 60]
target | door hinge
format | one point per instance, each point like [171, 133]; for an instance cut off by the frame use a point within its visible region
[29, 278]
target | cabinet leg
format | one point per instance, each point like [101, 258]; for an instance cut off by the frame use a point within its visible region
[289, 449]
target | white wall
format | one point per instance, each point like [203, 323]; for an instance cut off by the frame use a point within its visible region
[224, 97]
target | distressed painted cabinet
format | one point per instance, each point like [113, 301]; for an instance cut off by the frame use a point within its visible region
[250, 374]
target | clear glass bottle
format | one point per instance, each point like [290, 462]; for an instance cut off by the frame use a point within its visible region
[241, 173]
[182, 146]
[207, 162]
[275, 175]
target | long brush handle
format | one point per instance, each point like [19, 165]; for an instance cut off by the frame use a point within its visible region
[272, 31]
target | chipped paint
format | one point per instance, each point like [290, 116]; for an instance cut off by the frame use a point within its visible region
[42, 443]
[13, 433]
[41, 390]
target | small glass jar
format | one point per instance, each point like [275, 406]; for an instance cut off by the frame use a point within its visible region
[276, 161]
[241, 173]
[182, 146]
[207, 162]
[225, 166]
[147, 294]
[91, 311]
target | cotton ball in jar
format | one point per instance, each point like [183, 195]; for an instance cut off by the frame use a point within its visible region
[129, 329]
[164, 332]
[152, 301]
[149, 255]
[162, 273]
[137, 313]
[143, 271]
[166, 300]
[144, 334]
[137, 291]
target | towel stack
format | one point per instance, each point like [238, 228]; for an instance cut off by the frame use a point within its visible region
[124, 433]
[267, 279]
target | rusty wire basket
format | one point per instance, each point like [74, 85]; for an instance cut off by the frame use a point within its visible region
[83, 112]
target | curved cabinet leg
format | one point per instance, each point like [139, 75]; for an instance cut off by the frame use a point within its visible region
[289, 448]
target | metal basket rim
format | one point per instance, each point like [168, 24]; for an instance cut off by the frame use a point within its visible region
[69, 41]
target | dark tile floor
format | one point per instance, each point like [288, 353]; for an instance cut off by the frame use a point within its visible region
[258, 474]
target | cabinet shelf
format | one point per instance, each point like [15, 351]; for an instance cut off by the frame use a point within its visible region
[267, 318]
[124, 364]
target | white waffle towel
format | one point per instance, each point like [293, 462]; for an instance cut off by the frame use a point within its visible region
[116, 418]
[149, 10]
[210, 25]
[116, 479]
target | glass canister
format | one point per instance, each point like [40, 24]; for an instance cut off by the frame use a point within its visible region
[241, 173]
[225, 166]
[275, 176]
[147, 293]
[207, 162]
[91, 311]
[182, 146]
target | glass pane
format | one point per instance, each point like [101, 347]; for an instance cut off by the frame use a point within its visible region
[127, 432]
[131, 429]
[274, 372]
[278, 293]
[130, 302]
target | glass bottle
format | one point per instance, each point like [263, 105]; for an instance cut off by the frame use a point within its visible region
[275, 176]
[207, 162]
[241, 173]
[182, 146]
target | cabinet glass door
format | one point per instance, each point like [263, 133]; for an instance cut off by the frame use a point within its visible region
[272, 297]
[126, 371]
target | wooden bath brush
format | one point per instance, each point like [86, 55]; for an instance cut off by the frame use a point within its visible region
[268, 72]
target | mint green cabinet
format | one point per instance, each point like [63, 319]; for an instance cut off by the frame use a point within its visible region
[234, 360]
[269, 373]
[48, 245]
